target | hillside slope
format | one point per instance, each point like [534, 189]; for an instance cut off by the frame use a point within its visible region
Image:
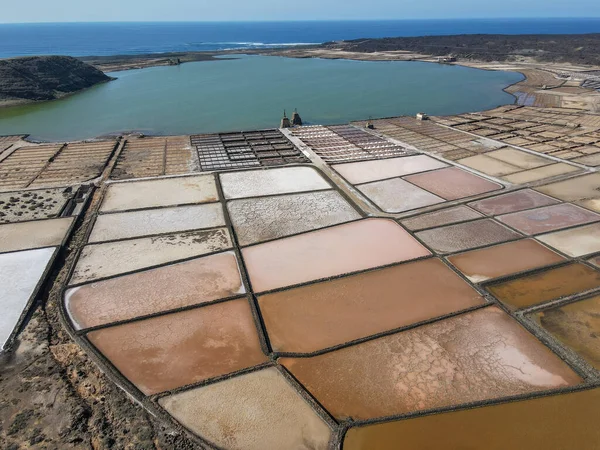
[39, 78]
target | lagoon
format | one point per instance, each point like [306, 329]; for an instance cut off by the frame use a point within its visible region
[251, 92]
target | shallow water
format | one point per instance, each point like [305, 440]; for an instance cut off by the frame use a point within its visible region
[251, 93]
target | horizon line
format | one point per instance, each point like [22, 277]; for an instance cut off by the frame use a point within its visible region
[297, 21]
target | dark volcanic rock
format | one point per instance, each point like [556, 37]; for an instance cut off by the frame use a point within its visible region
[560, 48]
[39, 78]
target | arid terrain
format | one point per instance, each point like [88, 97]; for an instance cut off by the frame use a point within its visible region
[572, 49]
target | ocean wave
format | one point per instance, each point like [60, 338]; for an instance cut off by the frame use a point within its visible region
[250, 44]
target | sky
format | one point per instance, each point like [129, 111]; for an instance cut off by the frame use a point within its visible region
[257, 10]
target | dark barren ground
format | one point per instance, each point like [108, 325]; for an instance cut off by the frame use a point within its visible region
[574, 49]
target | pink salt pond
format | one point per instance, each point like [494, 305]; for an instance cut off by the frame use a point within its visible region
[453, 183]
[321, 254]
[513, 202]
[549, 218]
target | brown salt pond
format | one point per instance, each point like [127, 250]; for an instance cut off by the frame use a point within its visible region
[464, 236]
[453, 183]
[548, 218]
[255, 411]
[577, 325]
[488, 166]
[579, 188]
[188, 283]
[512, 202]
[576, 241]
[438, 218]
[337, 250]
[321, 315]
[529, 176]
[564, 421]
[521, 159]
[592, 204]
[480, 355]
[175, 350]
[504, 259]
[549, 285]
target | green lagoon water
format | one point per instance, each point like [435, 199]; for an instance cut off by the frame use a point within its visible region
[251, 93]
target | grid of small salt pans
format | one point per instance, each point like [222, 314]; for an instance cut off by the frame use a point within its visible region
[427, 136]
[592, 84]
[23, 166]
[54, 164]
[567, 135]
[254, 334]
[154, 156]
[485, 155]
[7, 141]
[345, 143]
[76, 163]
[245, 149]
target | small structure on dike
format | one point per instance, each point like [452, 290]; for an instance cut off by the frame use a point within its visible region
[296, 119]
[285, 122]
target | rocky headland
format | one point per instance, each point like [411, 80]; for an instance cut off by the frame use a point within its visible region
[41, 78]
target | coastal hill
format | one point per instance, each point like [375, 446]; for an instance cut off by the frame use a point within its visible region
[39, 78]
[561, 48]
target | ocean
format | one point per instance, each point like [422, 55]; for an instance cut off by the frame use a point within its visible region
[96, 39]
